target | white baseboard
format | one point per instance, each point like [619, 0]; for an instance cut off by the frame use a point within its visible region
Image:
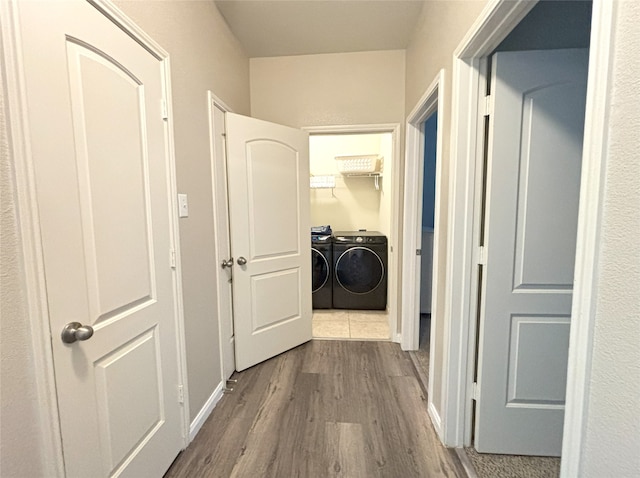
[435, 419]
[206, 410]
[397, 338]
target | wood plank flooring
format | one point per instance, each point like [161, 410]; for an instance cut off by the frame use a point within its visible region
[324, 409]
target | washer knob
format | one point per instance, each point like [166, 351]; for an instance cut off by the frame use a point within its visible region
[359, 239]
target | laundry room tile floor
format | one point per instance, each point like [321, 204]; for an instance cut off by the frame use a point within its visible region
[351, 324]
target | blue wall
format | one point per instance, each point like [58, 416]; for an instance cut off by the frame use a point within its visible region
[429, 184]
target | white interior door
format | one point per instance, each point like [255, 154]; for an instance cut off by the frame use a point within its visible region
[99, 148]
[223, 243]
[268, 168]
[533, 185]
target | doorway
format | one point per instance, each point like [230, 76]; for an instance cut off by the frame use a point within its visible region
[418, 295]
[468, 77]
[526, 223]
[430, 131]
[353, 199]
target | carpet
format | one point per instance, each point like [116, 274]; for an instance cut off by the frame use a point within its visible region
[513, 466]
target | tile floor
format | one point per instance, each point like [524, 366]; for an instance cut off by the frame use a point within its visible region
[351, 324]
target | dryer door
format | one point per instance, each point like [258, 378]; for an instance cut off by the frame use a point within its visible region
[359, 270]
[319, 269]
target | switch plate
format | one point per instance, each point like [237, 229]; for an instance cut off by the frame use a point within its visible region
[183, 206]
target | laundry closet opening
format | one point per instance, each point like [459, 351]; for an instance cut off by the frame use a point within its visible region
[351, 237]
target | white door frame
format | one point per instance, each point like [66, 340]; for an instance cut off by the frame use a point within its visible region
[31, 239]
[495, 22]
[432, 100]
[394, 129]
[212, 102]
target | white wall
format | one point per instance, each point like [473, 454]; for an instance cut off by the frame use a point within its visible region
[612, 440]
[329, 89]
[204, 55]
[441, 27]
[20, 436]
[354, 203]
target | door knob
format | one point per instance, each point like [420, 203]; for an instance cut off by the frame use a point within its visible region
[241, 261]
[74, 331]
[228, 263]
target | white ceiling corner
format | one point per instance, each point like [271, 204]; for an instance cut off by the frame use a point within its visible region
[303, 27]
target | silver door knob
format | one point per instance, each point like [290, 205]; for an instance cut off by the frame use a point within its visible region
[241, 261]
[74, 331]
[228, 263]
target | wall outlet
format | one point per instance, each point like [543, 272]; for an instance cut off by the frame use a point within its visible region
[183, 206]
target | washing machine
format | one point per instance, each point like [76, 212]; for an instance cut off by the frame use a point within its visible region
[321, 271]
[359, 270]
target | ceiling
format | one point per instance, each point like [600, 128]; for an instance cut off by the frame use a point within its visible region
[305, 27]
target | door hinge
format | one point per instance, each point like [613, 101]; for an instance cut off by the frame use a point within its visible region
[164, 111]
[488, 107]
[180, 394]
[482, 255]
[475, 391]
[172, 258]
[418, 252]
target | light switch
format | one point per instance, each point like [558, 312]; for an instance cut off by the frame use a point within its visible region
[183, 206]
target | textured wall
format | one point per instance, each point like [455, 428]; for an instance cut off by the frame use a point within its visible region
[20, 438]
[204, 56]
[329, 89]
[440, 29]
[613, 423]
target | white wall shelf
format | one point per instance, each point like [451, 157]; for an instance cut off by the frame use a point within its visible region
[376, 177]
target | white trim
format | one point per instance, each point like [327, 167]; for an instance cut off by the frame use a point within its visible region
[432, 100]
[594, 155]
[175, 244]
[495, 22]
[394, 129]
[30, 229]
[212, 102]
[435, 418]
[205, 411]
[19, 137]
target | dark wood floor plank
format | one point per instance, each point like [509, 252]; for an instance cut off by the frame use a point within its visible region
[324, 409]
[344, 451]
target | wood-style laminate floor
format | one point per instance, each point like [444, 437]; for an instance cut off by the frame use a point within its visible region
[324, 409]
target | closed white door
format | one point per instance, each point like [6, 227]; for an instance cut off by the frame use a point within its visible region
[99, 148]
[533, 185]
[223, 242]
[268, 168]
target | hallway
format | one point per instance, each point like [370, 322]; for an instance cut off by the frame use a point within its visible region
[326, 408]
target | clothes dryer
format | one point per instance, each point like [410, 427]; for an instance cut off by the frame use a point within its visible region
[322, 271]
[360, 270]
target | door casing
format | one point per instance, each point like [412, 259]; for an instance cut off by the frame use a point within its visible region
[222, 236]
[31, 242]
[431, 101]
[497, 20]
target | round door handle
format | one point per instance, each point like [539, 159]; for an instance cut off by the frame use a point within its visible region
[241, 261]
[75, 331]
[228, 263]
